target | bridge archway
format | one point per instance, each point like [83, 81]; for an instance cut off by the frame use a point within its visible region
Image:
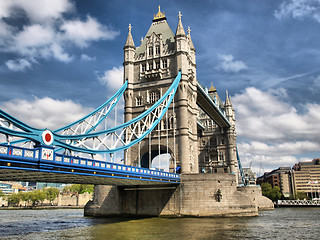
[165, 158]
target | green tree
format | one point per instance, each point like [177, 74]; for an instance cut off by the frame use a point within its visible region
[1, 194]
[14, 199]
[37, 196]
[269, 192]
[78, 188]
[51, 193]
[301, 195]
[266, 188]
[26, 196]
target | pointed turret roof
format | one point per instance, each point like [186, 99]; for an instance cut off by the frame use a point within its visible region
[180, 31]
[129, 42]
[158, 26]
[228, 99]
[189, 39]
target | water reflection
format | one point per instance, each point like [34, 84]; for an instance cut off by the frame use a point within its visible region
[289, 223]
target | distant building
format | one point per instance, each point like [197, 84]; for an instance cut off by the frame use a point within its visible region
[303, 177]
[279, 177]
[11, 187]
[306, 178]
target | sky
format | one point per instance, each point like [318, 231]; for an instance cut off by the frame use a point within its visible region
[60, 59]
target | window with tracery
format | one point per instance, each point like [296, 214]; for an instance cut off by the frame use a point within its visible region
[154, 96]
[139, 101]
[157, 65]
[165, 63]
[150, 65]
[150, 51]
[221, 156]
[158, 49]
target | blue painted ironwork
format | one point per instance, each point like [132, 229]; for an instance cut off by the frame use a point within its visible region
[43, 159]
[126, 134]
[29, 133]
[112, 101]
[132, 131]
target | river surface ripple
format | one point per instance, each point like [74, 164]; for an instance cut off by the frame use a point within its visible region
[282, 223]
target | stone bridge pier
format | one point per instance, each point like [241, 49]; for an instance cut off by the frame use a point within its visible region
[198, 195]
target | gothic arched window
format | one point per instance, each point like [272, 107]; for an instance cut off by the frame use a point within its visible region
[139, 101]
[154, 96]
[150, 51]
[158, 49]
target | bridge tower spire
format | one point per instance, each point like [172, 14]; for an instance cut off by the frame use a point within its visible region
[129, 52]
[231, 146]
[186, 101]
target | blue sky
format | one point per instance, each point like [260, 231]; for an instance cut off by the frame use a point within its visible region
[60, 59]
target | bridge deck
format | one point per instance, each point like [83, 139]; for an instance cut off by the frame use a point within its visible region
[43, 165]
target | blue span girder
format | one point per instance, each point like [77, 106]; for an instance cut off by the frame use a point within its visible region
[42, 164]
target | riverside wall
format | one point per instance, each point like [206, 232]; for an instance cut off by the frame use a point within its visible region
[198, 195]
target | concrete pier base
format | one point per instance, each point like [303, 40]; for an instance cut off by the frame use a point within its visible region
[198, 195]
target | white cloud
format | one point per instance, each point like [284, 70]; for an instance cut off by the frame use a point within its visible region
[273, 132]
[85, 57]
[18, 64]
[46, 32]
[81, 33]
[36, 10]
[34, 36]
[263, 116]
[317, 82]
[228, 64]
[299, 9]
[113, 79]
[45, 112]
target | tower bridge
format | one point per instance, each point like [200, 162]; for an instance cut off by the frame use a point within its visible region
[166, 110]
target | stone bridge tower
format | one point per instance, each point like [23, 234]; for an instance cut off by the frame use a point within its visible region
[150, 69]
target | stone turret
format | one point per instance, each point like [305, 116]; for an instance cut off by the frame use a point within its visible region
[231, 136]
[129, 53]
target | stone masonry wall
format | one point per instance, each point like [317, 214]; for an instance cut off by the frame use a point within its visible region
[198, 195]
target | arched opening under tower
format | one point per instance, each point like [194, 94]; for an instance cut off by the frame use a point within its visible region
[162, 161]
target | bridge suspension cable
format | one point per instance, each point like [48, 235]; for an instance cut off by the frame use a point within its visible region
[85, 136]
[11, 126]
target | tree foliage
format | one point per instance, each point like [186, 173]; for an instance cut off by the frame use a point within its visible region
[13, 199]
[36, 197]
[51, 193]
[1, 194]
[78, 188]
[271, 193]
[301, 195]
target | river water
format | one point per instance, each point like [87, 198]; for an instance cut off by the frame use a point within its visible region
[281, 223]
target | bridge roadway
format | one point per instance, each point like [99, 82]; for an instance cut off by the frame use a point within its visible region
[207, 104]
[43, 165]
